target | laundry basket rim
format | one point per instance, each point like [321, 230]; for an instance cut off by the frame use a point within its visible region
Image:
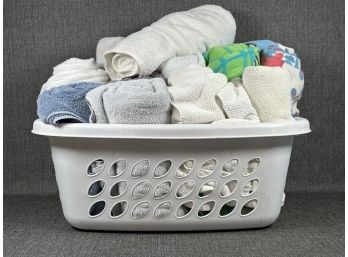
[173, 131]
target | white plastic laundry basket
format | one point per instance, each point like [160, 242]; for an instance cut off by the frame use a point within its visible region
[260, 155]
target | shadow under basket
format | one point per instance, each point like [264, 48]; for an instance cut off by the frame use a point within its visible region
[171, 177]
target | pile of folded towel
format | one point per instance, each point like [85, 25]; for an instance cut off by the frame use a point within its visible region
[184, 68]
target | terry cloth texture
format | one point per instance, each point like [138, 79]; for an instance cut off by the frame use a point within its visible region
[185, 189]
[193, 93]
[176, 34]
[65, 103]
[163, 210]
[139, 101]
[140, 169]
[104, 45]
[75, 70]
[141, 210]
[179, 62]
[277, 55]
[231, 60]
[235, 101]
[162, 189]
[268, 89]
[162, 168]
[141, 189]
[281, 56]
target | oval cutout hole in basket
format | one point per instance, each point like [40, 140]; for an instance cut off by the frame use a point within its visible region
[228, 188]
[229, 167]
[162, 189]
[141, 210]
[250, 187]
[117, 168]
[140, 169]
[118, 209]
[207, 168]
[96, 188]
[95, 168]
[251, 167]
[185, 189]
[141, 189]
[227, 208]
[184, 209]
[185, 169]
[206, 189]
[118, 189]
[97, 208]
[206, 209]
[249, 207]
[162, 168]
[163, 210]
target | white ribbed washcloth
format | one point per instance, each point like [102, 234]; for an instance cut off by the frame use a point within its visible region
[235, 101]
[269, 92]
[193, 95]
[176, 34]
[75, 70]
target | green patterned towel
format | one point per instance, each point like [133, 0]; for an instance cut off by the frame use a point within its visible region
[231, 60]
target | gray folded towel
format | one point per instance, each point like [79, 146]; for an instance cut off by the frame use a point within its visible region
[138, 101]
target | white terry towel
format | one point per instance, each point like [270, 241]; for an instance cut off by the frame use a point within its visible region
[75, 70]
[193, 95]
[235, 101]
[269, 92]
[176, 34]
[179, 62]
[104, 45]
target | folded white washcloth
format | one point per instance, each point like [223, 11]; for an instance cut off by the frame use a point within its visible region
[75, 70]
[179, 62]
[269, 92]
[104, 45]
[193, 95]
[176, 34]
[235, 101]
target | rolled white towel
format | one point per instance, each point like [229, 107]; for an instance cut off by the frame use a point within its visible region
[269, 92]
[75, 70]
[104, 45]
[176, 34]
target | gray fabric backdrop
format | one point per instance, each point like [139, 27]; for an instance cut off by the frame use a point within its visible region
[38, 34]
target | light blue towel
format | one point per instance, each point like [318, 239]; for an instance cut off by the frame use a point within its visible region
[261, 44]
[65, 103]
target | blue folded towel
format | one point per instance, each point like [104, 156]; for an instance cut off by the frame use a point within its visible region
[65, 103]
